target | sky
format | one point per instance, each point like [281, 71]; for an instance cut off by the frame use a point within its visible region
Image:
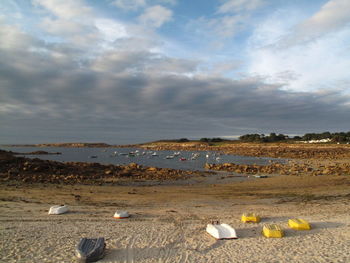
[131, 71]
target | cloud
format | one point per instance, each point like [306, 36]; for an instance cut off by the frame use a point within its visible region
[231, 18]
[110, 29]
[233, 6]
[129, 5]
[137, 95]
[156, 16]
[65, 9]
[332, 17]
[109, 80]
[11, 38]
[320, 64]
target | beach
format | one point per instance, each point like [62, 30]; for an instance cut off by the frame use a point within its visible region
[167, 222]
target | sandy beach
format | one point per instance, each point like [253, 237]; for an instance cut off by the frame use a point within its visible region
[168, 222]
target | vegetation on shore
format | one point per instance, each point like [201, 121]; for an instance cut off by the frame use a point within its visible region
[337, 137]
[327, 137]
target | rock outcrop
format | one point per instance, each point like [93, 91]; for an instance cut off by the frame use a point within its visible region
[43, 171]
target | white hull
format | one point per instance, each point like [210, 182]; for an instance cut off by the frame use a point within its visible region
[121, 214]
[58, 209]
[221, 231]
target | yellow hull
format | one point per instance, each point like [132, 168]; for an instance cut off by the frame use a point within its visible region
[250, 217]
[272, 231]
[299, 224]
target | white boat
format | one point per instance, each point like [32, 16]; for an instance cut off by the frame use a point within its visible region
[170, 157]
[154, 154]
[58, 209]
[121, 214]
[260, 176]
[221, 231]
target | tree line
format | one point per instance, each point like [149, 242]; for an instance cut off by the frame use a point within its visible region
[273, 137]
[341, 137]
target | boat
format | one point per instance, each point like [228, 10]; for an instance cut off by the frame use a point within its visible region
[154, 154]
[58, 209]
[90, 249]
[169, 157]
[121, 214]
[221, 231]
[272, 230]
[182, 159]
[250, 217]
[195, 156]
[93, 156]
[260, 176]
[177, 153]
[299, 224]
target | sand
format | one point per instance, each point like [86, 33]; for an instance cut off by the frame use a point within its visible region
[168, 222]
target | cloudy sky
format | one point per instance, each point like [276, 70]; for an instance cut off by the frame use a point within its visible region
[127, 71]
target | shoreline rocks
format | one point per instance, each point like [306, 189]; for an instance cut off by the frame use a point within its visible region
[43, 171]
[283, 169]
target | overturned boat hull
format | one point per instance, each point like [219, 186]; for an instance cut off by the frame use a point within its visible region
[58, 209]
[90, 249]
[221, 231]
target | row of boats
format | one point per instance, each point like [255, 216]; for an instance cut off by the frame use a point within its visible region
[193, 156]
[93, 249]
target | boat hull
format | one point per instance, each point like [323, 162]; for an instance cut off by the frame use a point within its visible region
[221, 231]
[90, 249]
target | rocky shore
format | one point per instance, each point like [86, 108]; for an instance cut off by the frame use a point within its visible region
[275, 150]
[291, 168]
[27, 170]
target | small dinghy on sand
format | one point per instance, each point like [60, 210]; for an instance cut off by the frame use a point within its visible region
[90, 249]
[299, 224]
[121, 214]
[272, 230]
[58, 209]
[221, 231]
[250, 217]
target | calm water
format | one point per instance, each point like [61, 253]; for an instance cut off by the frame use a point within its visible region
[118, 156]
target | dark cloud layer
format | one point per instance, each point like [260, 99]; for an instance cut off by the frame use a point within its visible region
[57, 93]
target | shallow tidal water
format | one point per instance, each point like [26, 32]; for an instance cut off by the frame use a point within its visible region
[122, 156]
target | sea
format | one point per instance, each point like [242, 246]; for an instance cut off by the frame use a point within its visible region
[183, 160]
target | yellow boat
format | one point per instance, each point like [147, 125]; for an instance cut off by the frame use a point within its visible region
[272, 230]
[299, 224]
[250, 217]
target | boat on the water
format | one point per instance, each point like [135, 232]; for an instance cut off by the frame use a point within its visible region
[90, 249]
[221, 231]
[58, 209]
